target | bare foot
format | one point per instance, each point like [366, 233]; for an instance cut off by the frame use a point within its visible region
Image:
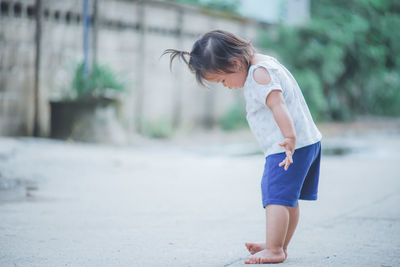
[266, 256]
[256, 247]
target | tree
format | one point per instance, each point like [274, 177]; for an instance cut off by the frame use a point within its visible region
[346, 59]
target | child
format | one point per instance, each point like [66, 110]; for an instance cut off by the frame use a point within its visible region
[279, 118]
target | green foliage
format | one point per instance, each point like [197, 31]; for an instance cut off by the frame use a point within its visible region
[387, 97]
[235, 118]
[158, 128]
[100, 82]
[347, 59]
[222, 5]
[313, 92]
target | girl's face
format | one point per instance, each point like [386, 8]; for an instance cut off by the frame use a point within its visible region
[230, 80]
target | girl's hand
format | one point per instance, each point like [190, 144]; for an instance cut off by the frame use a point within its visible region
[288, 144]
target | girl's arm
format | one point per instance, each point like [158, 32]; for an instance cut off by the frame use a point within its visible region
[282, 117]
[281, 114]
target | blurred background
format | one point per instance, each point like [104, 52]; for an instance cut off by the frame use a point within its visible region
[108, 158]
[91, 70]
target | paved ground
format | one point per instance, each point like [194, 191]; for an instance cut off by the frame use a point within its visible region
[191, 202]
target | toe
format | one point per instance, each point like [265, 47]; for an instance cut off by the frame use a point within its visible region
[249, 247]
[249, 261]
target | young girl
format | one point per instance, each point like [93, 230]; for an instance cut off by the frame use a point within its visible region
[279, 118]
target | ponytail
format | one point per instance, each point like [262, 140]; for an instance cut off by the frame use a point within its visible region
[213, 53]
[176, 53]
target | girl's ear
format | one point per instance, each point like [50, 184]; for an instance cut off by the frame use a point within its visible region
[237, 64]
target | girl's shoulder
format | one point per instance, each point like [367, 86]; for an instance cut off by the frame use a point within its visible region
[260, 68]
[259, 59]
[264, 62]
[261, 76]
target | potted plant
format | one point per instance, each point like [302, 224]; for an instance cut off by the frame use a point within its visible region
[89, 111]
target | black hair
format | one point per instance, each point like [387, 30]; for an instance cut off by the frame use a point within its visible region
[214, 52]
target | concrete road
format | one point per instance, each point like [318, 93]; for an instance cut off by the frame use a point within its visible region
[174, 204]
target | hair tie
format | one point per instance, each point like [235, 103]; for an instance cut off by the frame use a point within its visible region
[187, 53]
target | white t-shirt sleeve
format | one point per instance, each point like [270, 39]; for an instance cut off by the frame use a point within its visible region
[261, 91]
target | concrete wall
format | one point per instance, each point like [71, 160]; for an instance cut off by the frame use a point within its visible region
[17, 57]
[131, 36]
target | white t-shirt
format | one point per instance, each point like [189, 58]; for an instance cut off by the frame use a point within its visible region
[260, 117]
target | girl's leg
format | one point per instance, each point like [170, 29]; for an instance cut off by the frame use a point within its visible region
[277, 228]
[293, 220]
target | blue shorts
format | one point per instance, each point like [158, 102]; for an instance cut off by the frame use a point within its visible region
[300, 181]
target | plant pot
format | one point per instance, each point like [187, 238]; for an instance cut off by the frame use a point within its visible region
[89, 120]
